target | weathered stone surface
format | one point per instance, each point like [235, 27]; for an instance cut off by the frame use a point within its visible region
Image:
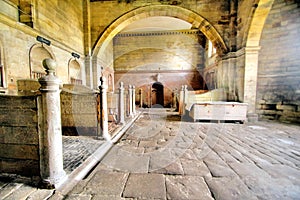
[187, 187]
[149, 186]
[195, 168]
[125, 161]
[40, 194]
[106, 183]
[229, 188]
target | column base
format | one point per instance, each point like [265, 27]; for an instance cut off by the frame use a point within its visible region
[252, 117]
[53, 184]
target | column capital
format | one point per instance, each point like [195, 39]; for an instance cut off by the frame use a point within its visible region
[252, 49]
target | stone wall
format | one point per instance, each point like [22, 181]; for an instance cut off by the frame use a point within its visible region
[278, 92]
[78, 110]
[103, 13]
[19, 138]
[61, 22]
[171, 80]
[177, 50]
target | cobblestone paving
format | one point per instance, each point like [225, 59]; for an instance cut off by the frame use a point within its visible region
[76, 150]
[163, 157]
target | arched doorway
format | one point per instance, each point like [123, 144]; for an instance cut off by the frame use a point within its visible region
[157, 95]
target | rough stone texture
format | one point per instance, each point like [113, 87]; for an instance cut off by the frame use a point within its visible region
[221, 161]
[150, 186]
[79, 110]
[278, 75]
[19, 135]
[107, 183]
[187, 187]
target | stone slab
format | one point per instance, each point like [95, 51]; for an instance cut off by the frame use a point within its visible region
[230, 188]
[187, 187]
[106, 183]
[145, 186]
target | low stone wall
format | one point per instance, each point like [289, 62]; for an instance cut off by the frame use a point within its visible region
[19, 139]
[285, 112]
[78, 110]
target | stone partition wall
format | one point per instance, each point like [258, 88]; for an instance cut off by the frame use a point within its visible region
[78, 110]
[278, 93]
[19, 138]
[171, 80]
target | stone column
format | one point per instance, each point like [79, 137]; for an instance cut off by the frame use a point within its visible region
[185, 99]
[121, 106]
[130, 100]
[250, 81]
[133, 101]
[141, 97]
[181, 99]
[150, 96]
[103, 110]
[50, 138]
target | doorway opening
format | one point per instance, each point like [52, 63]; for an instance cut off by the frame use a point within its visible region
[157, 95]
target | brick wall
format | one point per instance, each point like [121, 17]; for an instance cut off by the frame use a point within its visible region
[19, 140]
[279, 75]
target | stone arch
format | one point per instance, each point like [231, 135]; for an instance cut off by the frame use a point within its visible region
[37, 53]
[258, 21]
[157, 94]
[197, 21]
[74, 72]
[252, 48]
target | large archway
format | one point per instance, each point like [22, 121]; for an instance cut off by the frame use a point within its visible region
[197, 21]
[104, 41]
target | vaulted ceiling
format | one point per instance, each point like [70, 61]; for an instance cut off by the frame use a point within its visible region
[157, 23]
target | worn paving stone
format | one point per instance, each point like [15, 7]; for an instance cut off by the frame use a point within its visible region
[23, 191]
[40, 194]
[122, 160]
[145, 186]
[174, 168]
[106, 183]
[266, 186]
[195, 168]
[230, 188]
[107, 197]
[164, 157]
[79, 197]
[187, 187]
[9, 189]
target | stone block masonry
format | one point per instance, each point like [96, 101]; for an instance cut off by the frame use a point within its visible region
[278, 74]
[78, 110]
[19, 152]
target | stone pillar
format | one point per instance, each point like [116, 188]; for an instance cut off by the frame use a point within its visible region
[174, 94]
[88, 71]
[150, 96]
[133, 101]
[130, 113]
[141, 97]
[50, 138]
[121, 106]
[181, 99]
[185, 98]
[250, 81]
[103, 132]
